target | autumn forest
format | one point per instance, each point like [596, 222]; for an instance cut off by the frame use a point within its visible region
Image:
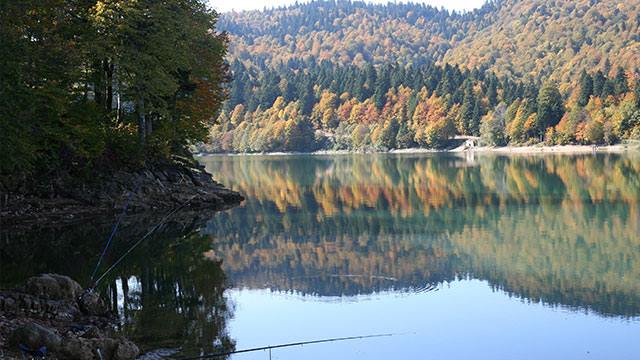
[354, 76]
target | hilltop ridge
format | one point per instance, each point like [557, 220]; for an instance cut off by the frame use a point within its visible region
[522, 38]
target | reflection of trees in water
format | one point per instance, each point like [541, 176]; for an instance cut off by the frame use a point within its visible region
[562, 230]
[167, 290]
[172, 295]
[406, 185]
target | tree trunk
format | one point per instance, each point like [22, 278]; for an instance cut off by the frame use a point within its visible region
[149, 125]
[99, 83]
[108, 68]
[142, 121]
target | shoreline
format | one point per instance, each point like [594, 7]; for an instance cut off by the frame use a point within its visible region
[483, 150]
[178, 186]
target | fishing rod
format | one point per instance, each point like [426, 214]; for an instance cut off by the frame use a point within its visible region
[113, 232]
[149, 233]
[271, 347]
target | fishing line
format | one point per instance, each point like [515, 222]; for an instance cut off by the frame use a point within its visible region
[149, 233]
[113, 232]
[209, 356]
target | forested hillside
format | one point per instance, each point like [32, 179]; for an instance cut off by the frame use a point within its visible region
[353, 33]
[356, 76]
[512, 37]
[558, 38]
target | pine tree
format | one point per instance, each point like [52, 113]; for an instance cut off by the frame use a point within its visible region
[620, 82]
[289, 91]
[404, 138]
[371, 77]
[476, 117]
[598, 83]
[466, 117]
[586, 89]
[389, 132]
[307, 98]
[609, 89]
[550, 107]
[492, 92]
[383, 83]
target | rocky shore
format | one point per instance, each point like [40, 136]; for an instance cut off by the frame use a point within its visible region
[182, 182]
[51, 316]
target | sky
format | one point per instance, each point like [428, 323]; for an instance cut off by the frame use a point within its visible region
[228, 5]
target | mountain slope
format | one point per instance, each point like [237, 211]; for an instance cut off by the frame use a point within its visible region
[521, 38]
[561, 38]
[359, 77]
[350, 32]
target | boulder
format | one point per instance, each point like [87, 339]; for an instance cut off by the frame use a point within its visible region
[53, 286]
[35, 336]
[92, 304]
[77, 348]
[126, 350]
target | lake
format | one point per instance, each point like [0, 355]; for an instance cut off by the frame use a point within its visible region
[454, 256]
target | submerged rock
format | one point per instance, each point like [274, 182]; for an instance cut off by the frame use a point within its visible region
[51, 314]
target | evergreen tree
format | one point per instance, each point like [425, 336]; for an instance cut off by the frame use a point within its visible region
[289, 91]
[550, 107]
[270, 89]
[389, 133]
[609, 89]
[466, 118]
[307, 98]
[404, 138]
[299, 135]
[620, 82]
[598, 83]
[492, 93]
[475, 118]
[586, 89]
[383, 83]
[371, 78]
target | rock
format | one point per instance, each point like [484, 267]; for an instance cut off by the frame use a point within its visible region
[10, 305]
[77, 348]
[92, 333]
[126, 351]
[69, 287]
[36, 336]
[91, 304]
[52, 286]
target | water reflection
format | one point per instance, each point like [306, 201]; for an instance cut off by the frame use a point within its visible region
[563, 231]
[560, 230]
[169, 292]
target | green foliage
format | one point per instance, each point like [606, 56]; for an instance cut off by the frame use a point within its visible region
[620, 82]
[387, 139]
[586, 89]
[299, 135]
[492, 129]
[404, 138]
[550, 107]
[80, 79]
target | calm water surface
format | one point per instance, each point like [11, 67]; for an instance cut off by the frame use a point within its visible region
[462, 257]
